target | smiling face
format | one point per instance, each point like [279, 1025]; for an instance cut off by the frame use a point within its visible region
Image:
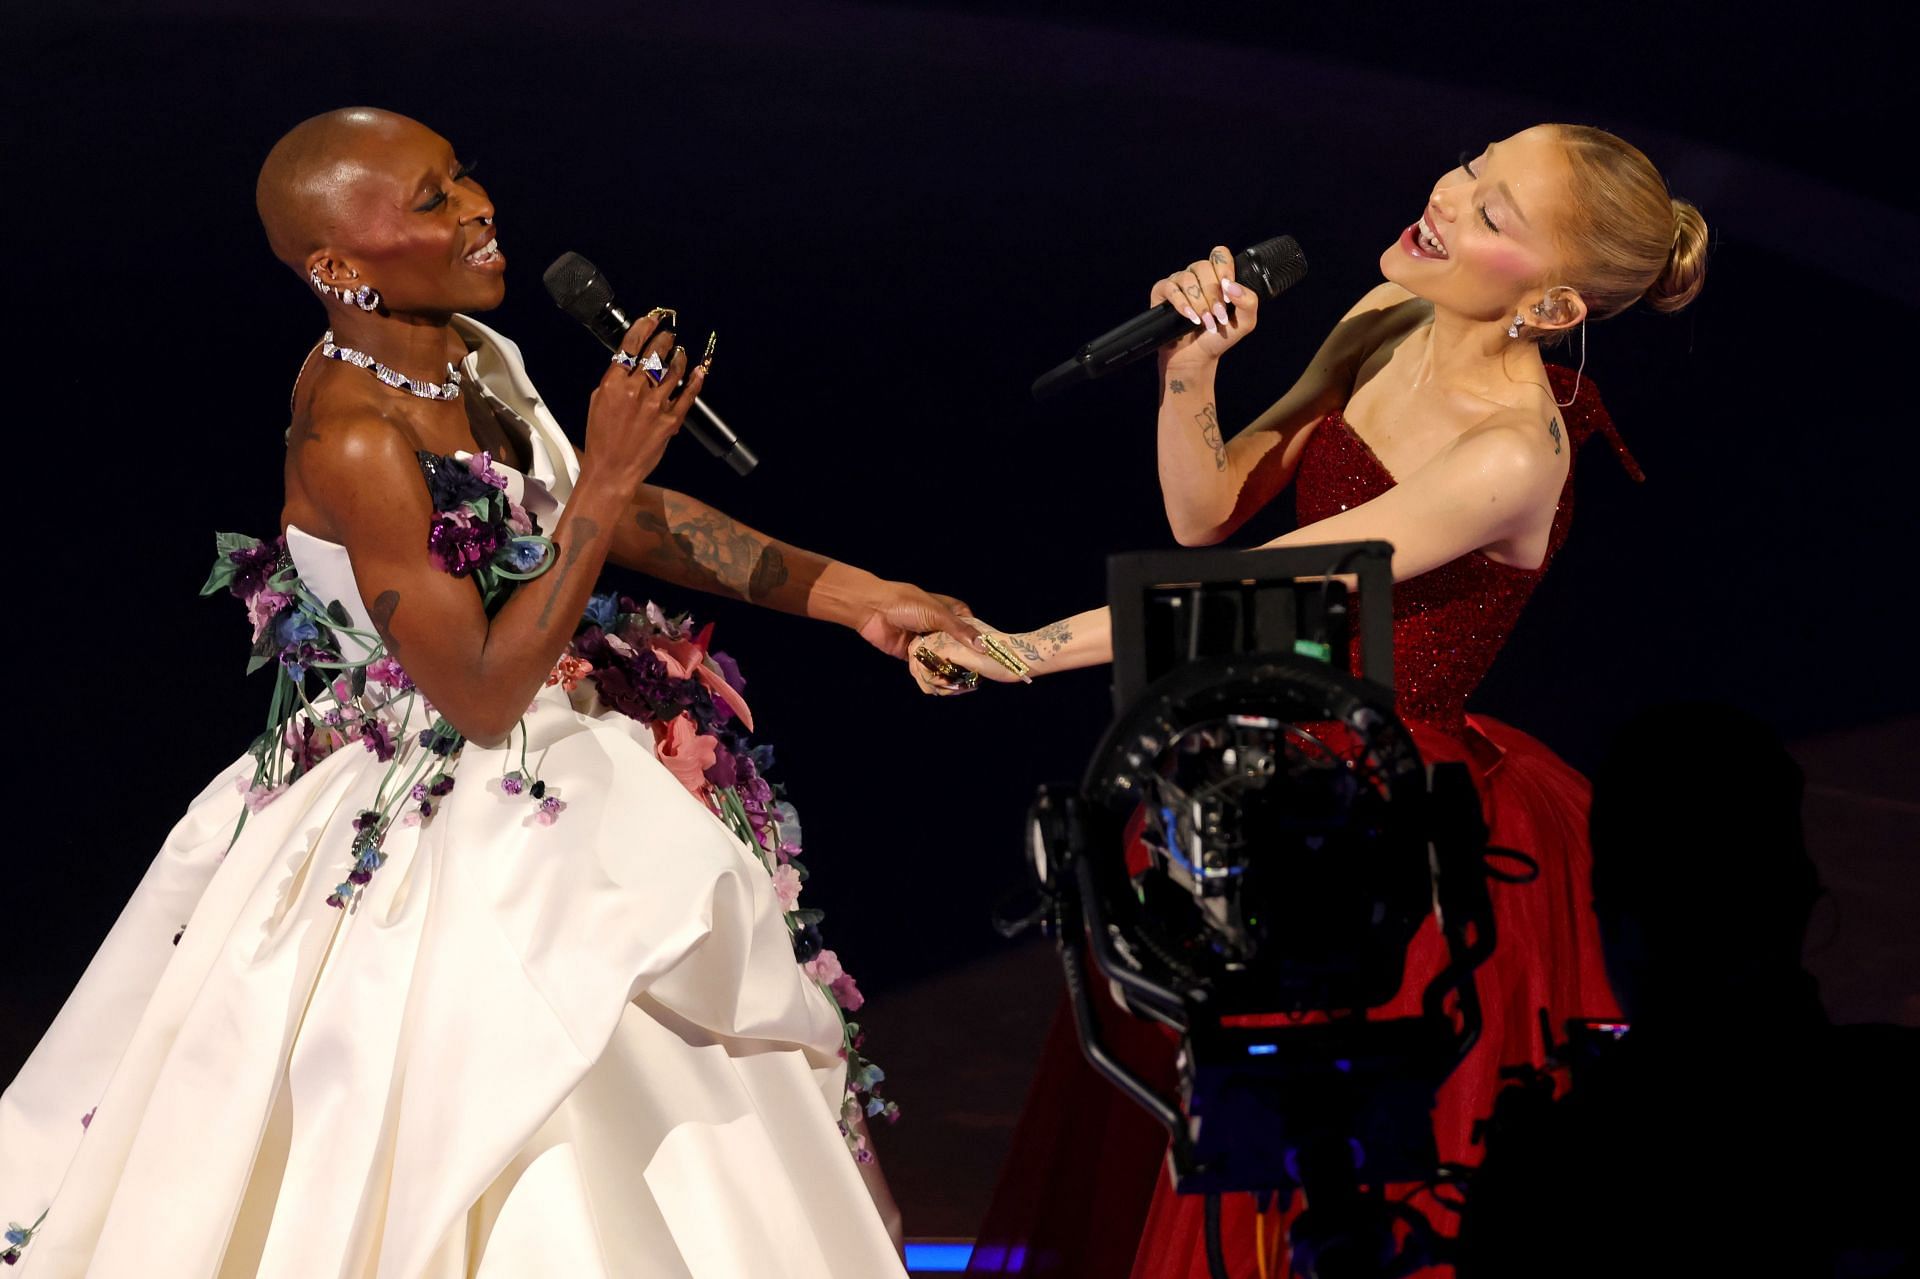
[369, 197]
[1487, 244]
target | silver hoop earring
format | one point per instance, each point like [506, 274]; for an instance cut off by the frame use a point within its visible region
[366, 297]
[1519, 322]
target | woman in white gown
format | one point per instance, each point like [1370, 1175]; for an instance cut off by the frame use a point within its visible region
[392, 1028]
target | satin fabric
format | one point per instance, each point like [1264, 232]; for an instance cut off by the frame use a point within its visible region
[581, 1049]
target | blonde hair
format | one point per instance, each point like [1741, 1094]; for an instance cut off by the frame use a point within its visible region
[1627, 238]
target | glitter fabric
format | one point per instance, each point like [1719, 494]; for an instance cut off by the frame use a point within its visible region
[1449, 623]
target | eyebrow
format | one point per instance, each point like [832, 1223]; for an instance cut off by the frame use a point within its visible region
[1507, 191]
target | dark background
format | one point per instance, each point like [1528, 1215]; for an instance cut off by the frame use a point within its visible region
[896, 217]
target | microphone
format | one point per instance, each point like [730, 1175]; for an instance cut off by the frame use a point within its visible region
[577, 287]
[1270, 268]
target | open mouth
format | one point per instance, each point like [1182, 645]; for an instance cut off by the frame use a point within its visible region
[487, 255]
[1425, 241]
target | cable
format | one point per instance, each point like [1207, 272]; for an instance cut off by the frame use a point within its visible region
[1216, 1253]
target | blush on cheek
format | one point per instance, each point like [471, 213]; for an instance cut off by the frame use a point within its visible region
[1510, 263]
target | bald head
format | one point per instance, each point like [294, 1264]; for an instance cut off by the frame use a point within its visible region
[307, 187]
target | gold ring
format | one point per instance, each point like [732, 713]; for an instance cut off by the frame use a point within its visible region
[949, 672]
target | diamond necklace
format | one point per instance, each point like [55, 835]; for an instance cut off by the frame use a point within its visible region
[447, 390]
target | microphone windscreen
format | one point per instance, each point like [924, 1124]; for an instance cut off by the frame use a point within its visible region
[577, 287]
[1272, 266]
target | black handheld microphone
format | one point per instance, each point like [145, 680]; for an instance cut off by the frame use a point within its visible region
[1270, 268]
[577, 287]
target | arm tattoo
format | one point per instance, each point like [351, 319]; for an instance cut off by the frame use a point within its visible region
[1038, 646]
[1553, 429]
[708, 549]
[385, 605]
[1177, 386]
[1210, 432]
[584, 531]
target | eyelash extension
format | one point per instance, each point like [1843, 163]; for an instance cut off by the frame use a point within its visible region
[464, 172]
[1466, 162]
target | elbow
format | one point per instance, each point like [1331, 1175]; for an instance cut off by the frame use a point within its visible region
[1191, 534]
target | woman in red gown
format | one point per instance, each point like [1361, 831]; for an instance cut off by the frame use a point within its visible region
[1428, 420]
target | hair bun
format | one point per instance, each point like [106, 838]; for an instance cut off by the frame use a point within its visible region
[1686, 269]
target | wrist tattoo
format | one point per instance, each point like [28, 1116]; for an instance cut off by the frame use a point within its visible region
[1050, 639]
[584, 531]
[701, 547]
[1553, 429]
[1210, 432]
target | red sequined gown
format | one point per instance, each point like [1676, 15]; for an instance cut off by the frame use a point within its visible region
[1086, 1172]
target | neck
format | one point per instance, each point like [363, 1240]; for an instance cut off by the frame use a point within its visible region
[1465, 354]
[418, 346]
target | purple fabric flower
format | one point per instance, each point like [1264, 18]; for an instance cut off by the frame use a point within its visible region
[482, 469]
[387, 673]
[252, 566]
[377, 737]
[457, 543]
[722, 773]
[729, 671]
[262, 608]
[451, 482]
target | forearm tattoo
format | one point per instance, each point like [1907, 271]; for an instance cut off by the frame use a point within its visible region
[384, 606]
[584, 531]
[1177, 387]
[1553, 429]
[1038, 646]
[701, 547]
[1210, 432]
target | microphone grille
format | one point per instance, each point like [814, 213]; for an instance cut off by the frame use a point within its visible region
[1272, 266]
[577, 287]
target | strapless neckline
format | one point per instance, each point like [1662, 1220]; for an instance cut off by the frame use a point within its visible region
[1338, 418]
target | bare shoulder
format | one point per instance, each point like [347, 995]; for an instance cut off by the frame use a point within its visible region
[352, 461]
[1524, 445]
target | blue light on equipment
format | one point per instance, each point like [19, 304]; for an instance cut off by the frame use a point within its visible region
[1262, 1050]
[938, 1258]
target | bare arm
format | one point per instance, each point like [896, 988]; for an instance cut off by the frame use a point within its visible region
[1485, 490]
[480, 672]
[1211, 484]
[682, 540]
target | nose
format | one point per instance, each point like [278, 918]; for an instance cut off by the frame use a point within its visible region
[478, 208]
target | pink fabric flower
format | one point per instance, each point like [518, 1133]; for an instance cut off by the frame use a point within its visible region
[387, 673]
[483, 469]
[686, 751]
[256, 797]
[517, 518]
[824, 968]
[847, 993]
[786, 886]
[263, 608]
[569, 671]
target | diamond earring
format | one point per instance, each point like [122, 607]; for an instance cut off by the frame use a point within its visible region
[1513, 330]
[366, 297]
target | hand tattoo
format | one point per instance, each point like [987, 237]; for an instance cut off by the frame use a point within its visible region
[1218, 258]
[701, 547]
[1553, 429]
[385, 605]
[584, 531]
[1210, 432]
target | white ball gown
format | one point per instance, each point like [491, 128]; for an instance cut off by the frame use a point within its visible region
[572, 1049]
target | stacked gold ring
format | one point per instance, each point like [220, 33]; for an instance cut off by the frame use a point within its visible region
[948, 672]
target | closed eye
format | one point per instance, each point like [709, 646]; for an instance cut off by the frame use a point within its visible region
[439, 198]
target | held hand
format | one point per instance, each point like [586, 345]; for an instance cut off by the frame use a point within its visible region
[1222, 310]
[897, 612]
[632, 416]
[961, 666]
